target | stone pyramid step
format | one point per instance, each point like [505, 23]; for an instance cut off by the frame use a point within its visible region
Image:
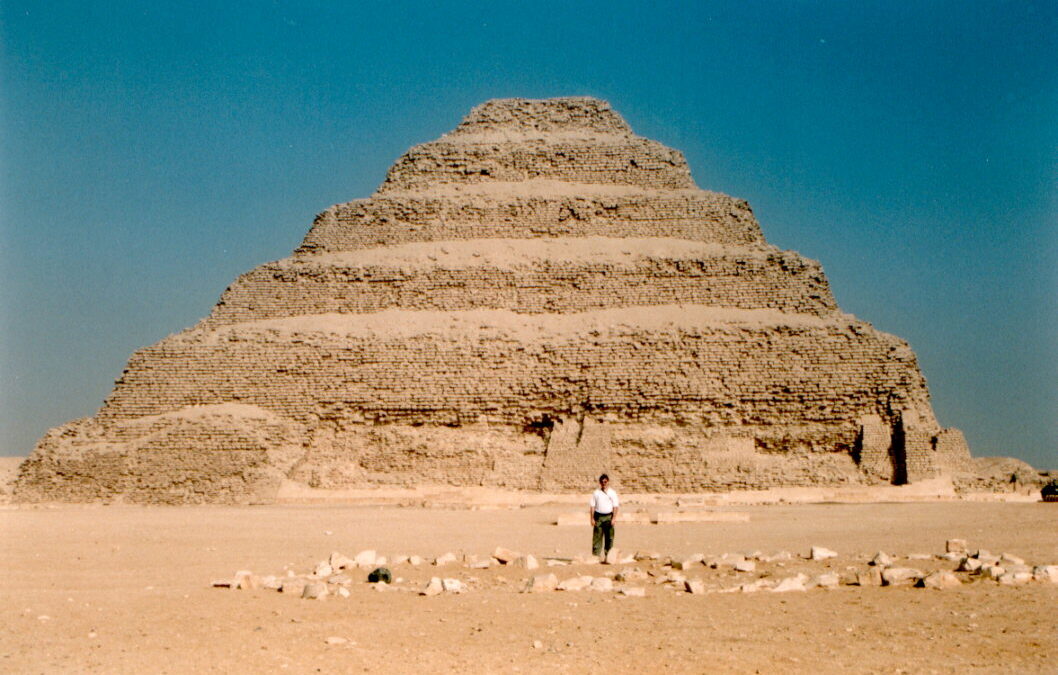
[537, 208]
[530, 276]
[683, 363]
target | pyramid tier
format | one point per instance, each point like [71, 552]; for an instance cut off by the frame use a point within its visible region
[606, 160]
[529, 276]
[680, 364]
[575, 114]
[537, 208]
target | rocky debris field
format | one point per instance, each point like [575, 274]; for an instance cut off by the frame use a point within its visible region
[642, 572]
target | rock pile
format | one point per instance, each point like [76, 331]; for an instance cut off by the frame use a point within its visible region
[631, 575]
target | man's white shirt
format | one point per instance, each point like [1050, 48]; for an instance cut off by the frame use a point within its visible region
[604, 502]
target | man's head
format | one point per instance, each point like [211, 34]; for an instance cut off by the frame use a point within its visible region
[604, 480]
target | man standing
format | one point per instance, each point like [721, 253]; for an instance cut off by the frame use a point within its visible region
[603, 509]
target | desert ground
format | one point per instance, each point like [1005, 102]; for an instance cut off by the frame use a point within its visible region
[128, 589]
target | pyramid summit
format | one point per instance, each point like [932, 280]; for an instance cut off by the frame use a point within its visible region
[536, 297]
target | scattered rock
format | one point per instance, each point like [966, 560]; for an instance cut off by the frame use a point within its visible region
[433, 587]
[537, 644]
[415, 560]
[223, 583]
[445, 559]
[453, 586]
[633, 591]
[366, 558]
[340, 580]
[919, 556]
[343, 592]
[900, 576]
[674, 578]
[828, 580]
[246, 580]
[1015, 578]
[755, 586]
[821, 553]
[881, 559]
[314, 591]
[972, 565]
[601, 584]
[788, 584]
[694, 586]
[726, 560]
[505, 555]
[646, 555]
[992, 571]
[400, 559]
[525, 562]
[1009, 560]
[634, 574]
[292, 585]
[872, 577]
[542, 583]
[745, 566]
[1047, 573]
[271, 582]
[334, 640]
[323, 570]
[687, 563]
[575, 584]
[939, 580]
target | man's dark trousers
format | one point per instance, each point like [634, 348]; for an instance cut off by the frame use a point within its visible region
[602, 534]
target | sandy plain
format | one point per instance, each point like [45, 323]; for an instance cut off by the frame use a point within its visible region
[127, 589]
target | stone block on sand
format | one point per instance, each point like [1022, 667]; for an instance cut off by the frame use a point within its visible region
[506, 555]
[694, 586]
[525, 562]
[900, 576]
[939, 580]
[602, 584]
[541, 583]
[574, 583]
[1046, 573]
[433, 587]
[821, 553]
[789, 584]
[871, 577]
[316, 590]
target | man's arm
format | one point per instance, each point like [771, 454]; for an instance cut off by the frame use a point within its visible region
[591, 515]
[614, 518]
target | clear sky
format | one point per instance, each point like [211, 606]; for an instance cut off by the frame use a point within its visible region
[152, 151]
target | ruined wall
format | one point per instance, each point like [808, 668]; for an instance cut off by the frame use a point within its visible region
[534, 298]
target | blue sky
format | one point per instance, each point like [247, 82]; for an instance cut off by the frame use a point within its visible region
[151, 152]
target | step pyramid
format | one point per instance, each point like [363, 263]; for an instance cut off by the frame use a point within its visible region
[534, 298]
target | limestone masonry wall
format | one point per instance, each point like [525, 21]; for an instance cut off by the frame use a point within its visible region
[530, 300]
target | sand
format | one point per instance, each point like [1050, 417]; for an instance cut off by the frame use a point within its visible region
[128, 589]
